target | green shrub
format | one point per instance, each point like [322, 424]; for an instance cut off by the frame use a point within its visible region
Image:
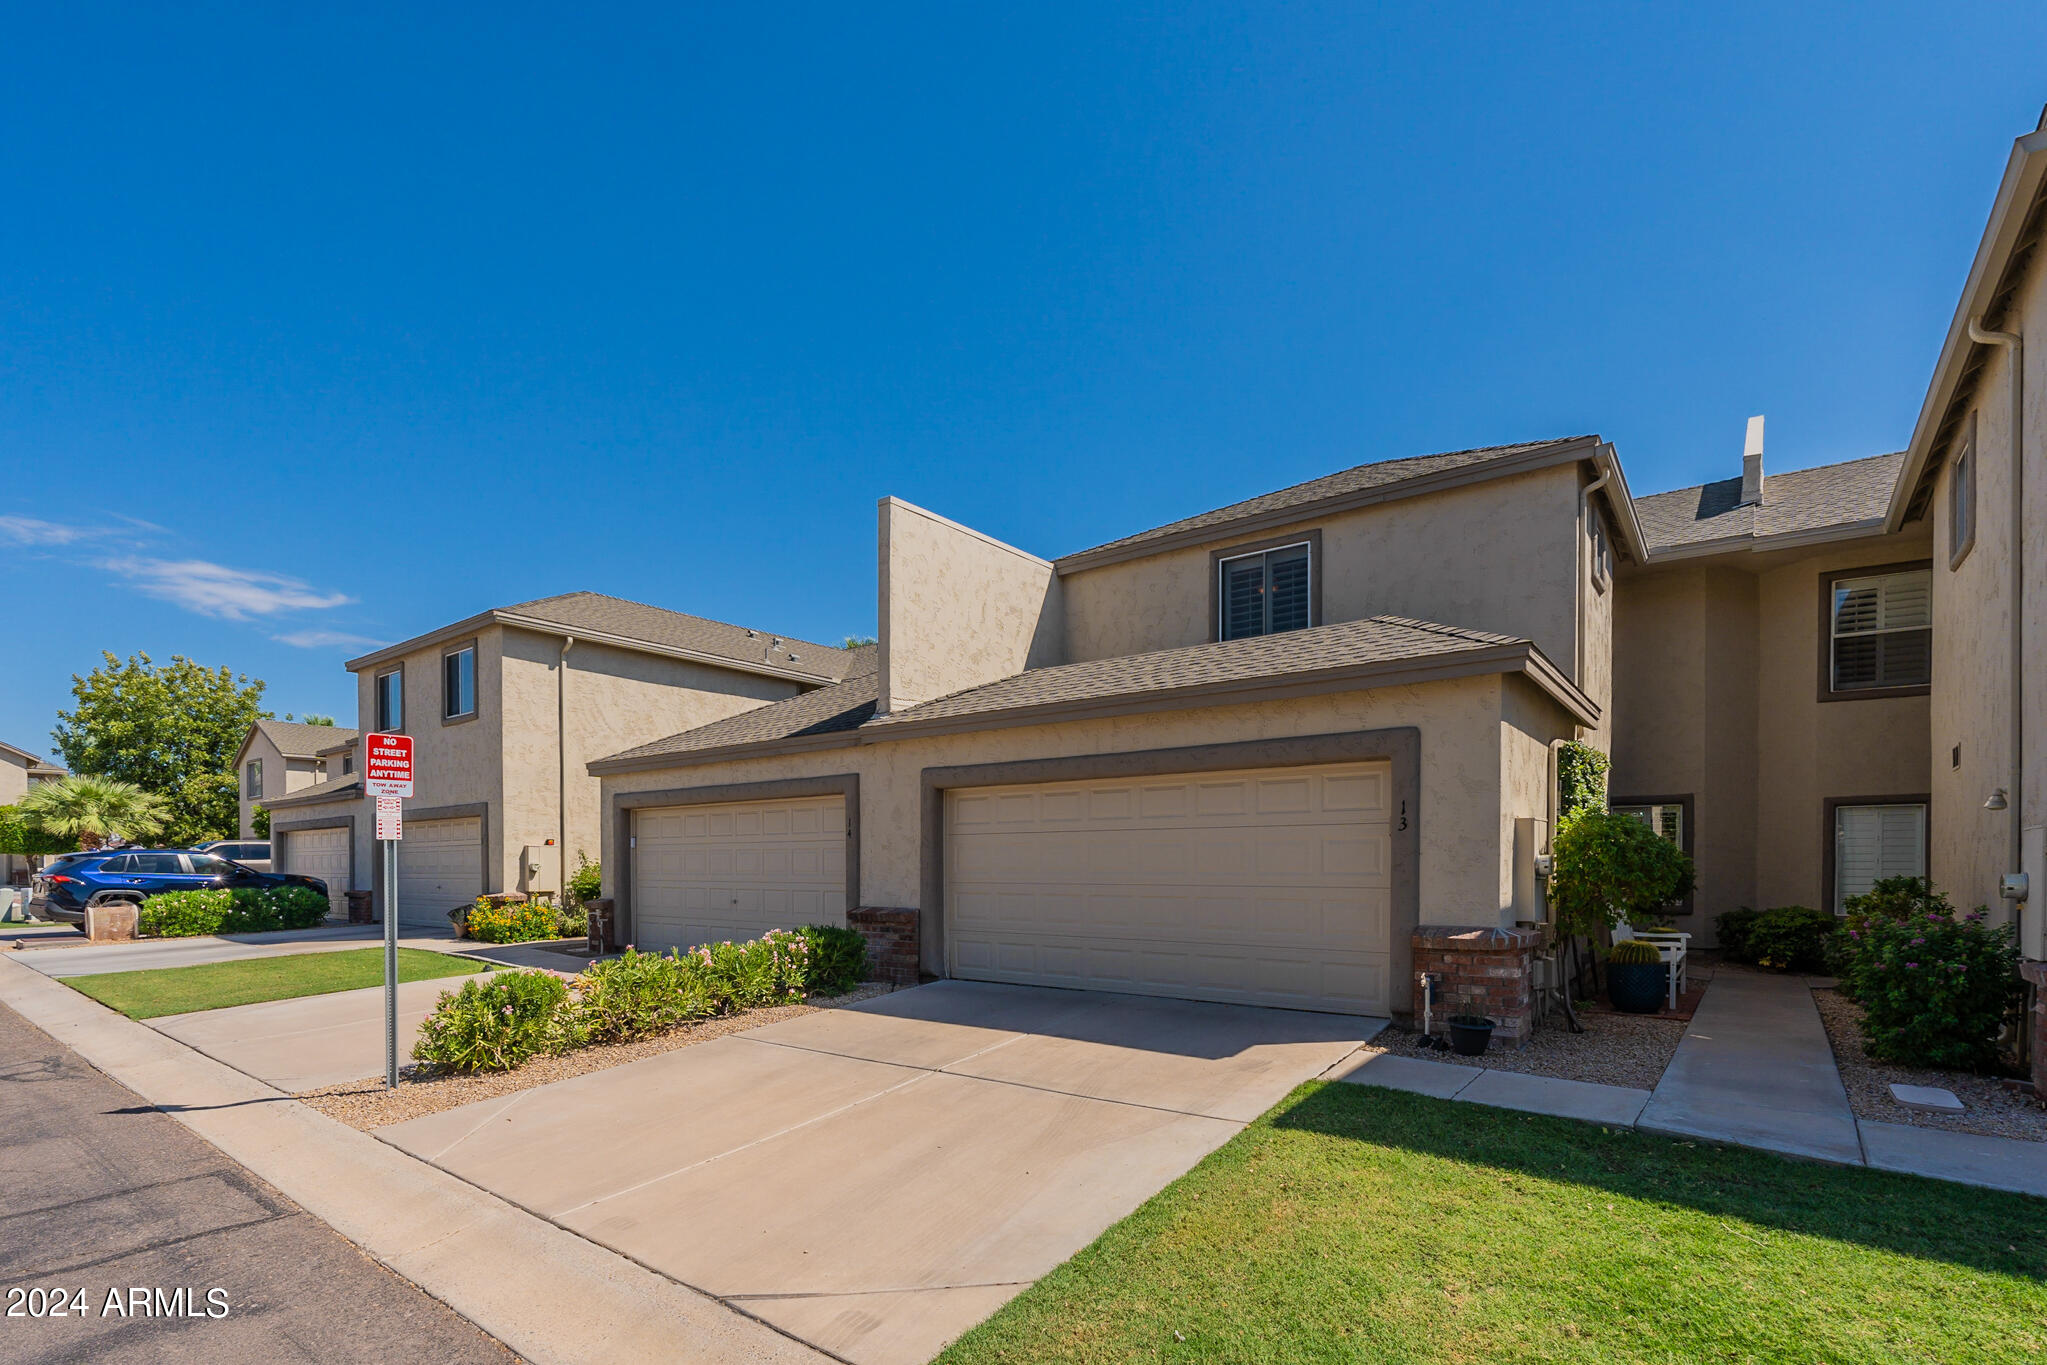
[1733, 928]
[1934, 989]
[586, 883]
[497, 1024]
[1581, 780]
[1790, 938]
[639, 994]
[236, 910]
[1610, 867]
[511, 921]
[768, 970]
[835, 961]
[1634, 951]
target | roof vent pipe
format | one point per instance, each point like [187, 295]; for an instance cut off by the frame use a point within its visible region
[1752, 464]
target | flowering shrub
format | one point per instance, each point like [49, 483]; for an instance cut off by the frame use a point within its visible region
[236, 910]
[1934, 989]
[836, 960]
[586, 883]
[493, 921]
[497, 1024]
[769, 970]
[640, 994]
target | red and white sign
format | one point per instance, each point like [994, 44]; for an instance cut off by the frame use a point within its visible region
[390, 821]
[387, 765]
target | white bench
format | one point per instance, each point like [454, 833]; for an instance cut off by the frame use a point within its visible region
[1671, 945]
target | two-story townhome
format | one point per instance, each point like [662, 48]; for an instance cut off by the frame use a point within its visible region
[1267, 754]
[506, 708]
[279, 757]
[19, 770]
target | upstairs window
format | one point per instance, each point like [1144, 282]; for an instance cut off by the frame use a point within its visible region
[252, 779]
[391, 701]
[347, 762]
[1961, 502]
[458, 683]
[1264, 593]
[1879, 632]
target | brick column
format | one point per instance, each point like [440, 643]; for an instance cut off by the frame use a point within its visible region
[892, 948]
[1482, 971]
[2036, 972]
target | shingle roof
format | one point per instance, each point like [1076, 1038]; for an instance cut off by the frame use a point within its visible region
[1802, 500]
[331, 788]
[1374, 640]
[597, 613]
[1361, 478]
[843, 706]
[295, 739]
[30, 760]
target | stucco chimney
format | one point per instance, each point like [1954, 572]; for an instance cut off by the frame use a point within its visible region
[1752, 464]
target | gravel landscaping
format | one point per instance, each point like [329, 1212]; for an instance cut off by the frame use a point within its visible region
[1993, 1110]
[1614, 1049]
[366, 1104]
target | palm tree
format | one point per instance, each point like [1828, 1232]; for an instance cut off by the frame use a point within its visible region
[93, 810]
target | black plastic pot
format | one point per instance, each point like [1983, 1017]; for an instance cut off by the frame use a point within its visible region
[1637, 987]
[1470, 1034]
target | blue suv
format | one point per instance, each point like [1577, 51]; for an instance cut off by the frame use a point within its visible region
[130, 874]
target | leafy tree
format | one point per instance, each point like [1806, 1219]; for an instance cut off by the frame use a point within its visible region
[94, 810]
[855, 641]
[1610, 867]
[172, 730]
[24, 840]
[312, 719]
[259, 821]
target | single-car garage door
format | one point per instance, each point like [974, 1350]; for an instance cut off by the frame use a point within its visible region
[440, 866]
[321, 853]
[703, 874]
[1268, 887]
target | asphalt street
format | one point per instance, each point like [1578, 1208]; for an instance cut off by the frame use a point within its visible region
[109, 1209]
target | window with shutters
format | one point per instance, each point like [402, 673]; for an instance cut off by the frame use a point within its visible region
[1872, 842]
[1877, 632]
[1265, 592]
[1671, 818]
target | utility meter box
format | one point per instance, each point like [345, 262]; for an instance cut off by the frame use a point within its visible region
[540, 868]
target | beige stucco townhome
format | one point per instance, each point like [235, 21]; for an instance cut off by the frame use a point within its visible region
[279, 757]
[506, 708]
[19, 770]
[1240, 757]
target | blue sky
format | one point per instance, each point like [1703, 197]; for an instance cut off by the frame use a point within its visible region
[324, 328]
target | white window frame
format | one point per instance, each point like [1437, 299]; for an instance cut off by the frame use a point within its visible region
[1222, 579]
[252, 780]
[1841, 809]
[390, 725]
[1602, 550]
[446, 700]
[1961, 492]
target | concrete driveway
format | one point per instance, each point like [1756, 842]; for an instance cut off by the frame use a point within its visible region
[876, 1180]
[310, 1041]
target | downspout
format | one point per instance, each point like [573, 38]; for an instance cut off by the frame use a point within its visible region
[2015, 352]
[561, 757]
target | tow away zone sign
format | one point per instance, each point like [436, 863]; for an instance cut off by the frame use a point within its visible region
[387, 765]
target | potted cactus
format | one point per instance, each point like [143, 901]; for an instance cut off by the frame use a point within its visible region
[1636, 979]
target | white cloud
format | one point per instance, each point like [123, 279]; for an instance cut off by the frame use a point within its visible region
[216, 590]
[326, 639]
[29, 531]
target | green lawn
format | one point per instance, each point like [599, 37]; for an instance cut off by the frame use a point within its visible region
[1359, 1224]
[216, 985]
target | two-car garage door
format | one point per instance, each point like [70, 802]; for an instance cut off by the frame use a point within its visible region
[704, 874]
[1268, 887]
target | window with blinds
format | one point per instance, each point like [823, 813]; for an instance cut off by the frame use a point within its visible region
[1666, 820]
[1263, 593]
[1882, 631]
[1874, 842]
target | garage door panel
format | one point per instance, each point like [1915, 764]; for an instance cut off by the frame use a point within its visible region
[440, 867]
[1269, 887]
[708, 874]
[321, 853]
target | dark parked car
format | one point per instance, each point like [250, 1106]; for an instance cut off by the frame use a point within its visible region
[63, 891]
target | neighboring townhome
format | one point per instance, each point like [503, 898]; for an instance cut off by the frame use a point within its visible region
[1975, 473]
[1273, 754]
[1772, 657]
[19, 770]
[279, 757]
[506, 709]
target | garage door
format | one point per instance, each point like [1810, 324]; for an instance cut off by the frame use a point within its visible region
[1269, 887]
[702, 874]
[321, 853]
[440, 866]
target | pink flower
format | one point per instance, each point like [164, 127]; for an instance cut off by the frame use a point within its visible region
[1912, 965]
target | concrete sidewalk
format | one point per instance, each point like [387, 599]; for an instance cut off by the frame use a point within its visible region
[148, 953]
[544, 1292]
[1753, 1079]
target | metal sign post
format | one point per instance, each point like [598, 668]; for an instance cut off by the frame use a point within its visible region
[387, 775]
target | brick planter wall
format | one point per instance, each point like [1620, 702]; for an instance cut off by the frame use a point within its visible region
[361, 910]
[2036, 972]
[1483, 971]
[892, 947]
